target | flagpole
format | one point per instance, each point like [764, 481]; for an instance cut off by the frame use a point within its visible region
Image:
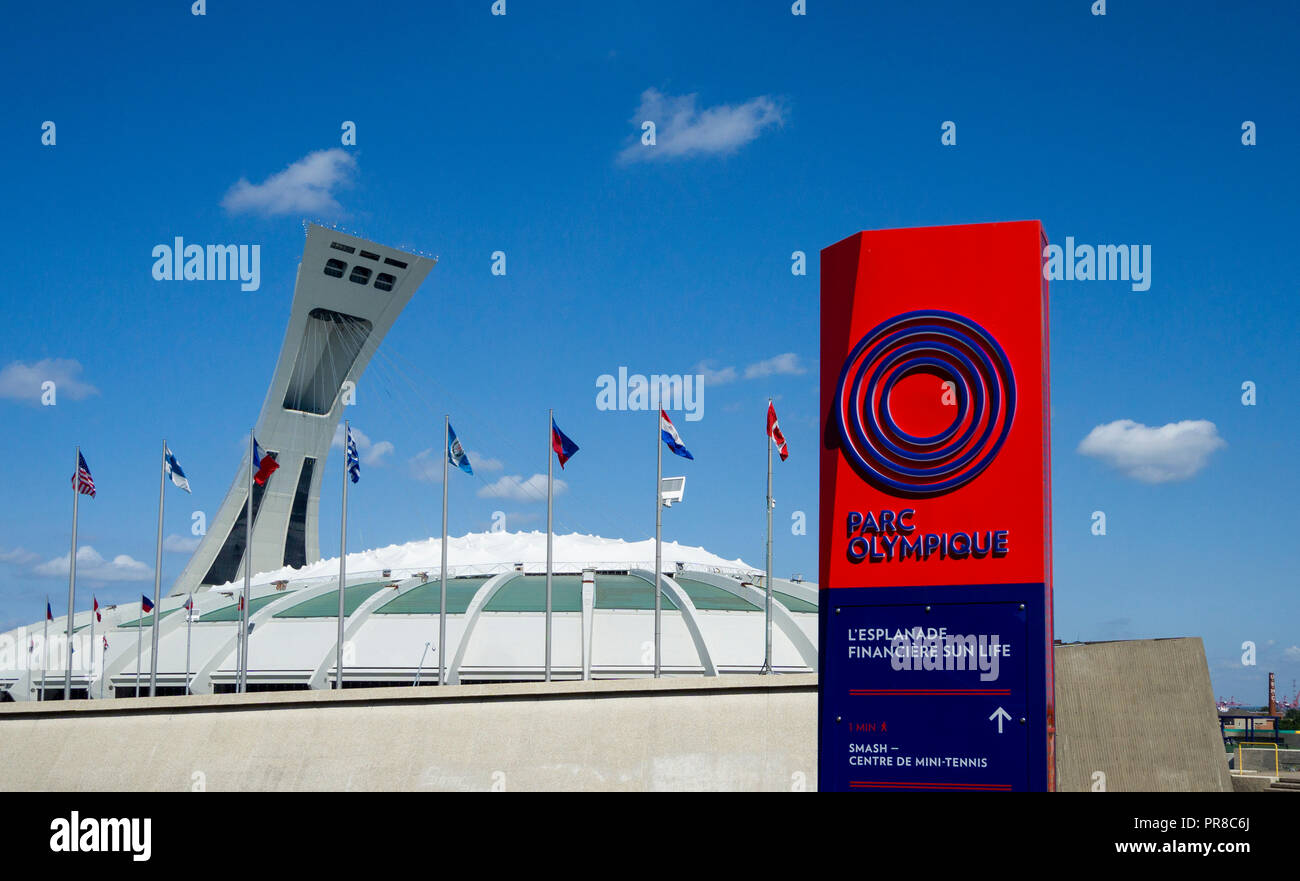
[550, 470]
[659, 518]
[90, 663]
[442, 572]
[45, 641]
[343, 559]
[139, 640]
[157, 575]
[72, 579]
[242, 674]
[767, 618]
[189, 621]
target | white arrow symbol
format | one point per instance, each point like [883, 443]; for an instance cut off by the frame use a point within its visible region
[999, 714]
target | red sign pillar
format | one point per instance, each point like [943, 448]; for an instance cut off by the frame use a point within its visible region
[935, 546]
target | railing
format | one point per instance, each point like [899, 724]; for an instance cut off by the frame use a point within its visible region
[472, 570]
[1276, 764]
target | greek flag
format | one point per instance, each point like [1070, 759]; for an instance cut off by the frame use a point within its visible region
[174, 471]
[456, 454]
[354, 463]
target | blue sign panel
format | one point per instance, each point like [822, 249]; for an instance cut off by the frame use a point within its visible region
[932, 689]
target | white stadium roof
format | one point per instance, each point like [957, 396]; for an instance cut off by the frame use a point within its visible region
[713, 621]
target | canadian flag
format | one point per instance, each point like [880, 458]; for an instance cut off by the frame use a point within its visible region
[774, 432]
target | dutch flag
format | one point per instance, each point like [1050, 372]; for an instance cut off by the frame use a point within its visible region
[671, 437]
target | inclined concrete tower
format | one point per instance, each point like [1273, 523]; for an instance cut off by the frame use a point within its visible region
[348, 293]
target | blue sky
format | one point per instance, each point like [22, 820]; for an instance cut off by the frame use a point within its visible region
[519, 133]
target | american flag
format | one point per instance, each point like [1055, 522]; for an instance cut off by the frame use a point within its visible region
[84, 483]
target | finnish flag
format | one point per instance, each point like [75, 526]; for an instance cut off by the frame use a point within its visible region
[174, 471]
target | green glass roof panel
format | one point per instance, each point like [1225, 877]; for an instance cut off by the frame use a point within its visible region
[793, 603]
[326, 605]
[147, 620]
[427, 598]
[231, 612]
[528, 594]
[712, 598]
[627, 592]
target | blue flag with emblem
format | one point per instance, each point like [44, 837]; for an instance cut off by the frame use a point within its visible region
[456, 454]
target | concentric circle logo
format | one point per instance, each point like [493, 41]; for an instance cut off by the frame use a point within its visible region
[925, 402]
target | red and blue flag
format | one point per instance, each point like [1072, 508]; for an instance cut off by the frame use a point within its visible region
[671, 437]
[562, 444]
[264, 463]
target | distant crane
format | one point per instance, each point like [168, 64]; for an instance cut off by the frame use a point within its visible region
[1230, 704]
[1294, 702]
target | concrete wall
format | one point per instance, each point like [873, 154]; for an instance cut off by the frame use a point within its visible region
[729, 733]
[1142, 713]
[726, 733]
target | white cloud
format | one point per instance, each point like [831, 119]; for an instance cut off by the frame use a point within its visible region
[715, 376]
[359, 436]
[786, 364]
[305, 187]
[22, 382]
[179, 544]
[371, 452]
[1292, 653]
[425, 466]
[683, 129]
[480, 462]
[513, 486]
[375, 455]
[1176, 451]
[92, 566]
[19, 557]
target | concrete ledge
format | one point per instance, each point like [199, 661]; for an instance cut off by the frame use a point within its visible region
[742, 732]
[270, 700]
[1251, 783]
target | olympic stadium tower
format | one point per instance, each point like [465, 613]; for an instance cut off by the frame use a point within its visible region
[348, 293]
